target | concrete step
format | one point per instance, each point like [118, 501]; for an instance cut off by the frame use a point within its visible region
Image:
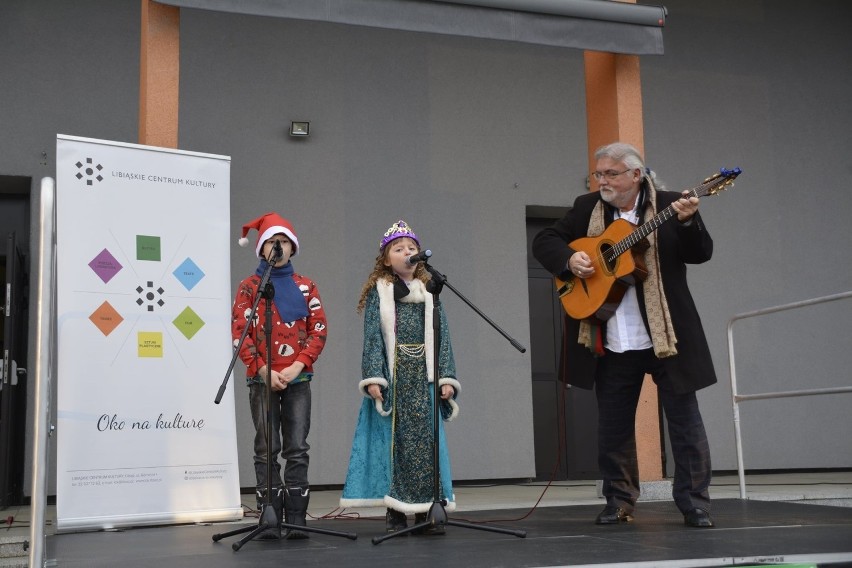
[14, 551]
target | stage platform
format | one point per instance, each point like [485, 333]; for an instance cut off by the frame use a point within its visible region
[786, 518]
[748, 532]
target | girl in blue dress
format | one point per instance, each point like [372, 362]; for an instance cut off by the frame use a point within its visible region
[391, 463]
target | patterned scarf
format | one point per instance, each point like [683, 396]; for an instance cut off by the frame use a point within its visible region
[656, 307]
[288, 298]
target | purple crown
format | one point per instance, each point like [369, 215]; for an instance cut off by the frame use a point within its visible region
[398, 230]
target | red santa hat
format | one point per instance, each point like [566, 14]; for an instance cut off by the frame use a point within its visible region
[268, 225]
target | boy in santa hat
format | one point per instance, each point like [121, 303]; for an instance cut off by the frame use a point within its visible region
[298, 337]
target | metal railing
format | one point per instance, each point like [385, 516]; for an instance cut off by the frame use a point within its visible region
[737, 398]
[44, 364]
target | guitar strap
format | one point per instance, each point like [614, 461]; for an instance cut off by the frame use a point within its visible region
[656, 307]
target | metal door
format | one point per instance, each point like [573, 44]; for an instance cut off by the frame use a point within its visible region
[13, 384]
[564, 418]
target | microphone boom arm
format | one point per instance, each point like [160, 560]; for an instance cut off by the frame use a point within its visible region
[439, 280]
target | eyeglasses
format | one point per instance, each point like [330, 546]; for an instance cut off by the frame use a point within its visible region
[609, 174]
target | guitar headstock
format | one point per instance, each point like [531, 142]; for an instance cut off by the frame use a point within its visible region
[719, 181]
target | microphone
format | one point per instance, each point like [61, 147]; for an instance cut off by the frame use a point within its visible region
[276, 248]
[419, 257]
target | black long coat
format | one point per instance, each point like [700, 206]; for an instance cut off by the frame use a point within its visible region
[692, 368]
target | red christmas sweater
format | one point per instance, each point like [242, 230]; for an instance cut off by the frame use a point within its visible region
[300, 340]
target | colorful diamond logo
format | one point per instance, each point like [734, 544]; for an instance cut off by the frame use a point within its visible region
[188, 274]
[106, 318]
[105, 266]
[188, 322]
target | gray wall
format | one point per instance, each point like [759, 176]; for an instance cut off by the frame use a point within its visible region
[65, 68]
[442, 131]
[458, 136]
[766, 86]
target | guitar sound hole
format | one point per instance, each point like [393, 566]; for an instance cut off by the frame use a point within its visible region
[606, 258]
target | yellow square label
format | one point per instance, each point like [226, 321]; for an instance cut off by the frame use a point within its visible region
[150, 343]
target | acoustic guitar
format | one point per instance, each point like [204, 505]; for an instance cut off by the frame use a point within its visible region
[596, 298]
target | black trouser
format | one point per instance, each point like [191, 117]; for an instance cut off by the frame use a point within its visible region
[291, 422]
[618, 383]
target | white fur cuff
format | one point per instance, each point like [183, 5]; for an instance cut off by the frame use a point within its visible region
[455, 410]
[380, 409]
[450, 381]
[362, 386]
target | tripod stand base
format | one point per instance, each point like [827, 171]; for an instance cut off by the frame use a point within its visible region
[254, 532]
[269, 522]
[437, 517]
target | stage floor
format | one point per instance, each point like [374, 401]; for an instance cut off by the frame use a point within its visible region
[747, 532]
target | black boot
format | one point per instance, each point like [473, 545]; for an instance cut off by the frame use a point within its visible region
[295, 508]
[395, 521]
[277, 502]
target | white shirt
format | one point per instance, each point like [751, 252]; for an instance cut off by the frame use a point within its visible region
[625, 330]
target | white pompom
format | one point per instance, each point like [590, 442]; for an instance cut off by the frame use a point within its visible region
[243, 242]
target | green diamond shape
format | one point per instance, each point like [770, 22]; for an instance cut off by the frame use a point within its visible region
[188, 322]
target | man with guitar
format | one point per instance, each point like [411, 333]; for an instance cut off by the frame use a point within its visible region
[631, 313]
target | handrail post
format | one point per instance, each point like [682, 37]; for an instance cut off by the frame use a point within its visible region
[736, 398]
[43, 359]
[736, 411]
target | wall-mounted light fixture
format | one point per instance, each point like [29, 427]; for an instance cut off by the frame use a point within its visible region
[300, 128]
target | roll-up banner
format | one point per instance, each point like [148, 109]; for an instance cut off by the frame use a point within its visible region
[143, 332]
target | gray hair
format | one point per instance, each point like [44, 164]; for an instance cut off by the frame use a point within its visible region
[630, 157]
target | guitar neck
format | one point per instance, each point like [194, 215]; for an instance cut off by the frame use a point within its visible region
[655, 222]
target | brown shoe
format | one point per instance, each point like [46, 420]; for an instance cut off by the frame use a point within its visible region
[613, 515]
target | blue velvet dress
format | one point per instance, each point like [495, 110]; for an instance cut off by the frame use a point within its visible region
[391, 463]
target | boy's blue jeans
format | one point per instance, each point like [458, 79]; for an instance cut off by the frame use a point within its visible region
[291, 422]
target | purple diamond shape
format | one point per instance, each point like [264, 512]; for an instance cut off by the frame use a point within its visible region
[105, 266]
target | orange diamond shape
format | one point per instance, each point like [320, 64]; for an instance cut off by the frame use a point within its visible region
[106, 318]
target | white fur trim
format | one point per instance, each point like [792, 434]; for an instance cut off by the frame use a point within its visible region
[450, 381]
[387, 319]
[416, 293]
[362, 386]
[380, 408]
[387, 312]
[454, 406]
[412, 508]
[272, 231]
[345, 503]
[455, 410]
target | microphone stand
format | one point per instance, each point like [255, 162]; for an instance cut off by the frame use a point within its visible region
[269, 516]
[437, 516]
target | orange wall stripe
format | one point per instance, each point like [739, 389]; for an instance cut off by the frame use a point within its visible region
[159, 69]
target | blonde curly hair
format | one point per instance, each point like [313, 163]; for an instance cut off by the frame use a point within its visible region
[383, 272]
